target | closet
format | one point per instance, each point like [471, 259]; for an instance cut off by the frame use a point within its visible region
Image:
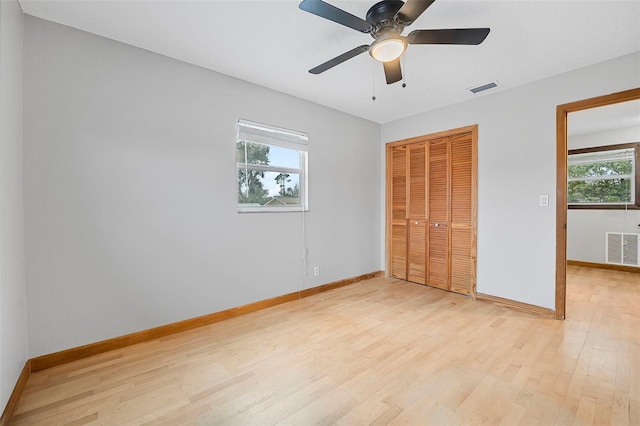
[431, 209]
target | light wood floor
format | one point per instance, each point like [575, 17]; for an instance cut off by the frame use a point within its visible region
[377, 352]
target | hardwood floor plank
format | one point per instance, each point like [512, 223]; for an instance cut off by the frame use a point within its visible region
[376, 352]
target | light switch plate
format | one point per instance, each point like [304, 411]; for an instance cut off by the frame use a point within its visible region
[544, 201]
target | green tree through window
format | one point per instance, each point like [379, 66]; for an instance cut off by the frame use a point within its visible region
[250, 187]
[602, 175]
[282, 180]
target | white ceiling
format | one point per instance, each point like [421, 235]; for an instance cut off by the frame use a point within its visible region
[273, 44]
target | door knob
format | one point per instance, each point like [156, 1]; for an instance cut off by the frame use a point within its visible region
[437, 225]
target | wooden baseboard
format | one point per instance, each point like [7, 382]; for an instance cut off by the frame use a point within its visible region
[518, 306]
[80, 352]
[612, 267]
[337, 284]
[10, 408]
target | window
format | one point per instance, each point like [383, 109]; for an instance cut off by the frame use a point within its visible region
[271, 166]
[604, 177]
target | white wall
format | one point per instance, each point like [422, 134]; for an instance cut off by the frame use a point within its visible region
[13, 317]
[602, 138]
[517, 163]
[586, 231]
[586, 228]
[130, 195]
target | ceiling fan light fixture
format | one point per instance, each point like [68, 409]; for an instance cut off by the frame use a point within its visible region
[387, 49]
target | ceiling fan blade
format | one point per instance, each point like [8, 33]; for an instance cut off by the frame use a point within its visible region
[451, 36]
[392, 71]
[332, 13]
[339, 59]
[411, 10]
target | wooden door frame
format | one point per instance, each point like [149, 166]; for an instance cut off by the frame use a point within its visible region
[561, 183]
[473, 130]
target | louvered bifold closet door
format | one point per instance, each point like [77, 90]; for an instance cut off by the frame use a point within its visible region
[399, 213]
[462, 271]
[432, 209]
[416, 204]
[438, 214]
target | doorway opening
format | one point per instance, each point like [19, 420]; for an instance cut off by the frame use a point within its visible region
[562, 112]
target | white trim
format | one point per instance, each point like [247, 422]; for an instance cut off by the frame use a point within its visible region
[592, 178]
[270, 209]
[263, 168]
[265, 134]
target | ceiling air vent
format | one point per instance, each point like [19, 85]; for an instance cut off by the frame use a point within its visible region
[484, 87]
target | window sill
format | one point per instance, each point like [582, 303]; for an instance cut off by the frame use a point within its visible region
[271, 209]
[602, 207]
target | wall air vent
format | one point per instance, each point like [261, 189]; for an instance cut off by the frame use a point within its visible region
[484, 87]
[622, 249]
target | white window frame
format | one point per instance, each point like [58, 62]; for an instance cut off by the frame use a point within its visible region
[604, 154]
[265, 134]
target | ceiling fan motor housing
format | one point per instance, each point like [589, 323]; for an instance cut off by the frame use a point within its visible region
[382, 15]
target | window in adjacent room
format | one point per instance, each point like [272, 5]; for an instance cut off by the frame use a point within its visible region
[604, 177]
[271, 165]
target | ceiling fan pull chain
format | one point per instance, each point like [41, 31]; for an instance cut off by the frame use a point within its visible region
[373, 83]
[404, 67]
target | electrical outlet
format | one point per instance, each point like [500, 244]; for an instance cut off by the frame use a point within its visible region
[316, 271]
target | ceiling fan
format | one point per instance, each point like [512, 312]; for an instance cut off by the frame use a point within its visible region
[385, 21]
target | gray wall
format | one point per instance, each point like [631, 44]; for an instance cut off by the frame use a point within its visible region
[517, 163]
[586, 228]
[130, 195]
[13, 316]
